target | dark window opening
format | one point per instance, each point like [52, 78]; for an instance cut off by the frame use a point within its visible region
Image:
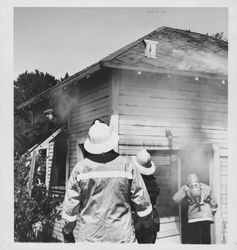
[58, 173]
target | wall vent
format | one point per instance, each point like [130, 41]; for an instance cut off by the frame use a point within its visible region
[150, 50]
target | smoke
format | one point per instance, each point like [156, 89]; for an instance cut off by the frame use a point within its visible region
[196, 159]
[64, 103]
[206, 62]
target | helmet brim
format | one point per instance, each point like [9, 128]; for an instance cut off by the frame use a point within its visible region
[145, 171]
[104, 147]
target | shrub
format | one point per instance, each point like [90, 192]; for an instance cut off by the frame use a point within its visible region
[40, 208]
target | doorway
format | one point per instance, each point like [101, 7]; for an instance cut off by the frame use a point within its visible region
[194, 159]
[166, 162]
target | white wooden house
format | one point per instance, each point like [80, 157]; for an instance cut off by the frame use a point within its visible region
[166, 92]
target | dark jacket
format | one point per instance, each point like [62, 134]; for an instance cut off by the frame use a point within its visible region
[153, 191]
[152, 187]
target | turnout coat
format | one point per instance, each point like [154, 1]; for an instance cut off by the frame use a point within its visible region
[197, 213]
[101, 194]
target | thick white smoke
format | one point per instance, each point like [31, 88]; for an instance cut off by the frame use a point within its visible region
[64, 102]
[201, 61]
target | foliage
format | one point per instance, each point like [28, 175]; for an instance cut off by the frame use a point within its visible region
[30, 84]
[65, 77]
[219, 36]
[40, 207]
[21, 138]
[27, 85]
[40, 167]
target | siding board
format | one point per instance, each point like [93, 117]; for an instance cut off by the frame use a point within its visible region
[171, 94]
[179, 103]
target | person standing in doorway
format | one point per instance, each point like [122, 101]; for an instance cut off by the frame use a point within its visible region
[202, 207]
[101, 190]
[147, 168]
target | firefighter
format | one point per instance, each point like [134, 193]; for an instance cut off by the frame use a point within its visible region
[147, 168]
[101, 190]
[201, 208]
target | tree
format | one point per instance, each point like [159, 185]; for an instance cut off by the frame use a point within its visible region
[27, 85]
[30, 84]
[219, 36]
[40, 209]
[65, 77]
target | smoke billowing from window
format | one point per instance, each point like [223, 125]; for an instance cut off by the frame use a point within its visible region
[64, 102]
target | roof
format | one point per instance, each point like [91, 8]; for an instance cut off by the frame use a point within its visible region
[178, 52]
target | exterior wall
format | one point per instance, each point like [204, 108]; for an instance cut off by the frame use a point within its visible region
[57, 231]
[145, 106]
[92, 102]
[194, 111]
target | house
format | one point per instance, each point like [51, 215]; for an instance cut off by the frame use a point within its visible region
[166, 92]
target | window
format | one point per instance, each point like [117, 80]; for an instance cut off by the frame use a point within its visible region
[58, 174]
[40, 166]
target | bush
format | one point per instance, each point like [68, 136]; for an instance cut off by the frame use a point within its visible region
[39, 210]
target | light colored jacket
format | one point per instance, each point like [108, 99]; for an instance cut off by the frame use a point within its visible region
[197, 213]
[101, 195]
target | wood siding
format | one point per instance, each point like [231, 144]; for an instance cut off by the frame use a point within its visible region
[194, 111]
[148, 104]
[92, 102]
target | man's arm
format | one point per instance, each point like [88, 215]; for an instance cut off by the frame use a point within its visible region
[140, 198]
[209, 197]
[181, 194]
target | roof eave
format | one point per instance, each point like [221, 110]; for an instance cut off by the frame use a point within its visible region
[76, 77]
[164, 71]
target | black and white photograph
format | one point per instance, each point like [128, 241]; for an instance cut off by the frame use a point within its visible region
[121, 125]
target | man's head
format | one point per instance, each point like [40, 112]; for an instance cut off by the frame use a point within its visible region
[191, 179]
[194, 185]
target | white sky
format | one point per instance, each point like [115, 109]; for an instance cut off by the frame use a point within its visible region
[60, 40]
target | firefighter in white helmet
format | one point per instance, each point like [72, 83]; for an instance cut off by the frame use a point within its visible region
[101, 190]
[201, 208]
[147, 168]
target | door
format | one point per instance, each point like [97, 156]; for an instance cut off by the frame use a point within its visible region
[167, 179]
[195, 159]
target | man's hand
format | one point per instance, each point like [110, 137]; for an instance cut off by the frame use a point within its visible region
[147, 220]
[185, 188]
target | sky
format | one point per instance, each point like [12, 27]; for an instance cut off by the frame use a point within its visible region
[60, 40]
